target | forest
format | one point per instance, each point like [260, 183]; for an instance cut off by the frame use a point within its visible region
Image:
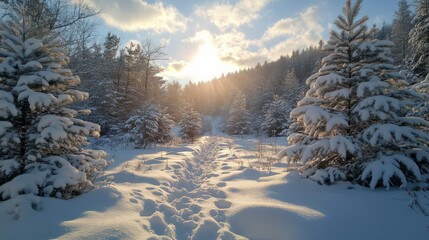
[84, 119]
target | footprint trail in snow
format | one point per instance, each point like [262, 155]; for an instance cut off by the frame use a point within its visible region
[179, 213]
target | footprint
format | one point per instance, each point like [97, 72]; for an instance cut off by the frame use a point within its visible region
[214, 213]
[223, 204]
[221, 184]
[157, 193]
[149, 207]
[138, 193]
[218, 215]
[226, 167]
[133, 200]
[150, 188]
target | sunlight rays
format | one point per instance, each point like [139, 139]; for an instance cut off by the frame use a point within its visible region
[206, 64]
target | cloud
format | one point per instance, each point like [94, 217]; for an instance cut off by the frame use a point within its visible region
[227, 51]
[176, 66]
[294, 33]
[134, 15]
[306, 22]
[224, 15]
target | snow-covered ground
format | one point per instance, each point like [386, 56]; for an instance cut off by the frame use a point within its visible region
[217, 188]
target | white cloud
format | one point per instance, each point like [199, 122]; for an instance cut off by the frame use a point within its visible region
[306, 22]
[296, 33]
[225, 15]
[205, 64]
[227, 51]
[176, 66]
[134, 15]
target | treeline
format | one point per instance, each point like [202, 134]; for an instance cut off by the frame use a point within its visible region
[284, 79]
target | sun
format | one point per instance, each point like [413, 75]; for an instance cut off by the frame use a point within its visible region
[206, 64]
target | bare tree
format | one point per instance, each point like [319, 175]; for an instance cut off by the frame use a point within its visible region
[58, 17]
[151, 54]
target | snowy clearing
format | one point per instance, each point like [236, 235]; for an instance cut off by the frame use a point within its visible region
[217, 188]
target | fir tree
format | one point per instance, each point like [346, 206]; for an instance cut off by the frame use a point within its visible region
[276, 120]
[419, 39]
[352, 124]
[237, 116]
[165, 127]
[143, 127]
[191, 124]
[41, 140]
[401, 28]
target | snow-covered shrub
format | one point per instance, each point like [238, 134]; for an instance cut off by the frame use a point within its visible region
[150, 125]
[191, 124]
[41, 140]
[143, 127]
[237, 121]
[355, 116]
[165, 127]
[276, 119]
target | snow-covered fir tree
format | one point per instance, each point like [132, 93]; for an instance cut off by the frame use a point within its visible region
[419, 38]
[165, 127]
[276, 119]
[150, 125]
[237, 121]
[143, 127]
[190, 124]
[401, 27]
[352, 123]
[41, 141]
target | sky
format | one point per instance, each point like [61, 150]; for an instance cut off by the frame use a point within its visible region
[207, 38]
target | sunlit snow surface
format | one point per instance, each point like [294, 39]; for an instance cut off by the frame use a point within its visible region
[216, 188]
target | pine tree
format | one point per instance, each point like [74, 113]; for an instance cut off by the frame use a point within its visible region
[276, 120]
[41, 140]
[191, 124]
[352, 124]
[401, 28]
[237, 118]
[419, 39]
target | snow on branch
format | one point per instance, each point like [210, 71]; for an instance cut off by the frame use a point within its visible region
[386, 134]
[311, 114]
[376, 87]
[328, 175]
[7, 108]
[329, 79]
[386, 167]
[378, 106]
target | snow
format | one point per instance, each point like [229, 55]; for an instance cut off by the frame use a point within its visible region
[215, 188]
[390, 134]
[311, 114]
[371, 86]
[329, 79]
[31, 45]
[385, 167]
[4, 126]
[25, 183]
[8, 165]
[6, 66]
[31, 79]
[7, 108]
